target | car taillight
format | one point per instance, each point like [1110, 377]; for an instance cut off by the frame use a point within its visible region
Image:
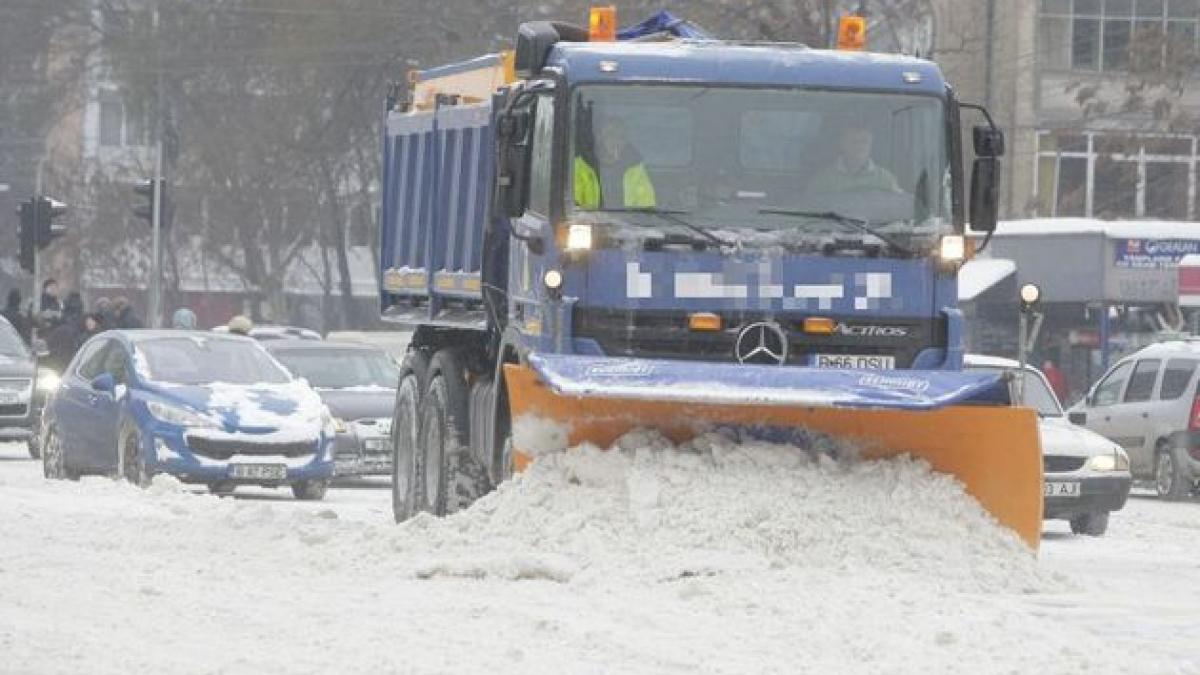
[1194, 416]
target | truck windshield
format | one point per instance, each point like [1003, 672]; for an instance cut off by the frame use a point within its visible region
[756, 165]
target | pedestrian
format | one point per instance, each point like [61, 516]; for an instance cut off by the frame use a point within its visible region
[1058, 382]
[50, 309]
[12, 311]
[123, 316]
[93, 324]
[104, 309]
[240, 325]
[183, 319]
[72, 310]
[62, 341]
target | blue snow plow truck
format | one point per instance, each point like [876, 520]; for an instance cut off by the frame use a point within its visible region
[609, 229]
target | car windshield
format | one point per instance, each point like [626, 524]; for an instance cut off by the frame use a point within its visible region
[11, 344]
[202, 360]
[341, 368]
[756, 165]
[1037, 394]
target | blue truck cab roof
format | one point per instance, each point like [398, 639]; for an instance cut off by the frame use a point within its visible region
[741, 63]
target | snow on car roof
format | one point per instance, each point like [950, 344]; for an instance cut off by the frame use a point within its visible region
[1112, 229]
[1188, 346]
[980, 274]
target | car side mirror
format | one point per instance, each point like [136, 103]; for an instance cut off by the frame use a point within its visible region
[104, 383]
[40, 348]
[985, 194]
[1077, 417]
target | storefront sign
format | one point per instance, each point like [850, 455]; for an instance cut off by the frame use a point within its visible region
[1153, 253]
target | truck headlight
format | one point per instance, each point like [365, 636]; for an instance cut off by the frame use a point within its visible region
[579, 237]
[953, 248]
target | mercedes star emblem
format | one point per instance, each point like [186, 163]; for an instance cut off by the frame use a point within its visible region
[762, 342]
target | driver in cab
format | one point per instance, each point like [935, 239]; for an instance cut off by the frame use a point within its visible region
[853, 171]
[612, 175]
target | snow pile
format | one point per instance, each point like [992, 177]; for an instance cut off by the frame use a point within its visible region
[652, 512]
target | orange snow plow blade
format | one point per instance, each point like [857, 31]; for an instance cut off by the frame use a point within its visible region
[993, 450]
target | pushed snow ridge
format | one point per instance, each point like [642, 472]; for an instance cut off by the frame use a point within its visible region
[719, 505]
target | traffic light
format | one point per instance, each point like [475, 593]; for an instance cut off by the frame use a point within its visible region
[145, 189]
[47, 210]
[37, 227]
[27, 235]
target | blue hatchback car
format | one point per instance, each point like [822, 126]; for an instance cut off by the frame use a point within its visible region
[206, 408]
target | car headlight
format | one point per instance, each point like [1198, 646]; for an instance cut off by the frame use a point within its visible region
[183, 417]
[1117, 461]
[47, 380]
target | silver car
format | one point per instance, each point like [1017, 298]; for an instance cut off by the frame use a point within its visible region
[1086, 476]
[1149, 403]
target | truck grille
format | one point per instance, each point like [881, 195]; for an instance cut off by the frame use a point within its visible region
[224, 449]
[14, 410]
[1059, 464]
[665, 335]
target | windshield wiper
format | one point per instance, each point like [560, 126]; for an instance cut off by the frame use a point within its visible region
[671, 216]
[857, 223]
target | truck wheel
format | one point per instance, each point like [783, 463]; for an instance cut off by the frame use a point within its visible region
[1171, 480]
[33, 445]
[447, 477]
[406, 434]
[1091, 524]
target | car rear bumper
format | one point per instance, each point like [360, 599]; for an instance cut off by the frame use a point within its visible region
[1097, 493]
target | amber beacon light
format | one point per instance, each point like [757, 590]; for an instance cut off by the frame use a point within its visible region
[602, 24]
[852, 33]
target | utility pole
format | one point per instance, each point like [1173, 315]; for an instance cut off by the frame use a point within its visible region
[154, 320]
[37, 258]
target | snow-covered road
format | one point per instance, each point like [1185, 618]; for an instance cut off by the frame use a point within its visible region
[647, 562]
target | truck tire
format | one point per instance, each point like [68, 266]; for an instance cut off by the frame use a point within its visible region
[310, 490]
[446, 476]
[406, 432]
[1091, 524]
[1171, 479]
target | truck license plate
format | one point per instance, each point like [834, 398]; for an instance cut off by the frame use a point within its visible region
[1055, 488]
[859, 361]
[258, 471]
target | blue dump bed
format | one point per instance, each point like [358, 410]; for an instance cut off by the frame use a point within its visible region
[437, 177]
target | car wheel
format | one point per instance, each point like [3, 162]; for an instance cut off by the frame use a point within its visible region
[133, 460]
[406, 435]
[1171, 480]
[448, 477]
[1091, 524]
[310, 490]
[54, 462]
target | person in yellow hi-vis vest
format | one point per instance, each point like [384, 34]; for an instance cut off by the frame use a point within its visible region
[616, 177]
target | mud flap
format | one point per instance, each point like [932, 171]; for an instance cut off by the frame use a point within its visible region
[942, 417]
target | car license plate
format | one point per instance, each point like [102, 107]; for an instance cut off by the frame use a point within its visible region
[1055, 488]
[258, 471]
[858, 361]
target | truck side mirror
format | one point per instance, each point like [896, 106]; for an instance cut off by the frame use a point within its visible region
[985, 194]
[513, 133]
[989, 141]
